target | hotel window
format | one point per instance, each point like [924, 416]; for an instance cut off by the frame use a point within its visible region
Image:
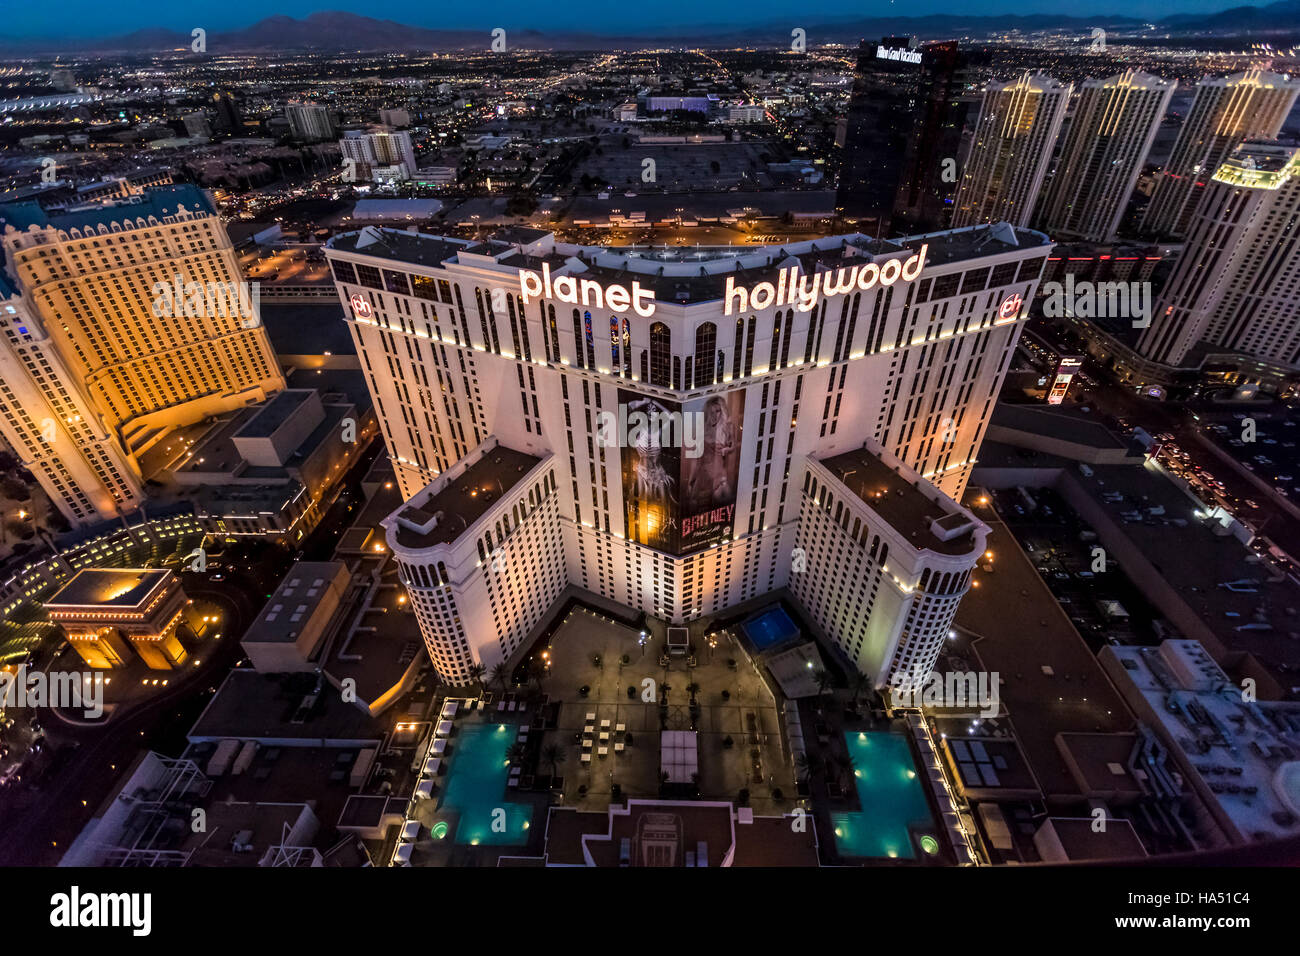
[424, 288]
[660, 351]
[369, 277]
[396, 282]
[343, 272]
[706, 340]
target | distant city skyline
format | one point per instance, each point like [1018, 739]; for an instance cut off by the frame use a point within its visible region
[87, 19]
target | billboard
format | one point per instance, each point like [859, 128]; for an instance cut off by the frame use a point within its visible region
[681, 465]
[1065, 372]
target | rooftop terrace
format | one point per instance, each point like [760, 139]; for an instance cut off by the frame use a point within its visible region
[902, 503]
[454, 502]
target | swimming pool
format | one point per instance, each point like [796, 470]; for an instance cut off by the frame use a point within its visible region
[770, 628]
[476, 787]
[890, 794]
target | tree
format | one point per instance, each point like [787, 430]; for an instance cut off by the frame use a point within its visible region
[517, 752]
[823, 681]
[500, 675]
[858, 682]
[554, 755]
[476, 672]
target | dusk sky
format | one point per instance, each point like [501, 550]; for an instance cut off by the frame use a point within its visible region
[89, 18]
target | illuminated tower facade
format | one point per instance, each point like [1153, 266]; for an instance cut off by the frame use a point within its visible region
[1113, 126]
[1014, 134]
[523, 386]
[1227, 111]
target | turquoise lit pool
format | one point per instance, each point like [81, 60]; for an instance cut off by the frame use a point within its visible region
[889, 792]
[476, 787]
[770, 628]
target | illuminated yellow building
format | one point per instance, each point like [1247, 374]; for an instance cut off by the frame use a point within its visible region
[102, 609]
[128, 320]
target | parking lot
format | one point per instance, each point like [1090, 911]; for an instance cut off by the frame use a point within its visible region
[1103, 604]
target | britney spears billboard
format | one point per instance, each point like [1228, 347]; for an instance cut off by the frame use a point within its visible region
[681, 465]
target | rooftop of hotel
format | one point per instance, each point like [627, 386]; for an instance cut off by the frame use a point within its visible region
[688, 274]
[160, 202]
[461, 500]
[119, 588]
[661, 833]
[900, 501]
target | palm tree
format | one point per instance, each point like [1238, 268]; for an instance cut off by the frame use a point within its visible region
[807, 765]
[499, 675]
[858, 682]
[823, 681]
[476, 672]
[844, 767]
[692, 689]
[517, 752]
[554, 755]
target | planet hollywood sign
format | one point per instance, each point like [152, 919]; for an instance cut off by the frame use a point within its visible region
[801, 291]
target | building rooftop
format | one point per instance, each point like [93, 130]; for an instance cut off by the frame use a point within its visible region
[293, 603]
[452, 503]
[903, 504]
[1051, 680]
[284, 707]
[274, 413]
[118, 588]
[1246, 753]
[159, 201]
[1065, 422]
[692, 274]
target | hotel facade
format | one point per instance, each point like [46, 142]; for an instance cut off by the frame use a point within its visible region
[825, 404]
[96, 364]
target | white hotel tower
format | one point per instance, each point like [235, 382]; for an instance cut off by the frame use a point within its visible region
[828, 429]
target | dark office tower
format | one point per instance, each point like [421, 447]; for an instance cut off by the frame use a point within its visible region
[228, 119]
[905, 118]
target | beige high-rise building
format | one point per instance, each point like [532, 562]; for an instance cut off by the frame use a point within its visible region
[124, 322]
[1227, 111]
[1106, 143]
[1237, 285]
[1017, 127]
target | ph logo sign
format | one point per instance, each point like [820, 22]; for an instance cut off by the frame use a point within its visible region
[360, 307]
[1010, 308]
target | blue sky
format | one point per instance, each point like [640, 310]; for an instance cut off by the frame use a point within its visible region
[100, 18]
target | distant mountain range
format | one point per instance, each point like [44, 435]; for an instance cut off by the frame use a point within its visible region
[333, 31]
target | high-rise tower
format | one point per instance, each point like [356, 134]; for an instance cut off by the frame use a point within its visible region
[1017, 127]
[1105, 145]
[1227, 111]
[683, 433]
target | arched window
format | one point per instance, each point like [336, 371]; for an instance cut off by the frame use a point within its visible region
[578, 351]
[660, 352]
[591, 340]
[706, 341]
[736, 349]
[627, 348]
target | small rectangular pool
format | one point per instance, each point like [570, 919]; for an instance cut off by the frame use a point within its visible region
[889, 792]
[476, 787]
[770, 628]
